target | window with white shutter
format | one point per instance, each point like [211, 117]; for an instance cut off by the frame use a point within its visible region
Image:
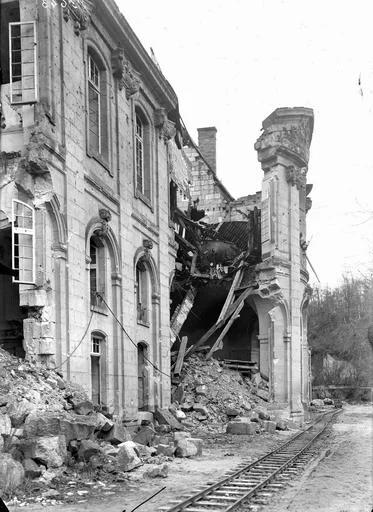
[23, 242]
[22, 62]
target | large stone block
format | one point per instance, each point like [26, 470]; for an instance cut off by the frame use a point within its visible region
[128, 456]
[18, 411]
[241, 428]
[79, 427]
[186, 448]
[5, 424]
[11, 473]
[49, 451]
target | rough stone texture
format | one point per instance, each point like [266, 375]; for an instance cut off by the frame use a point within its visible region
[87, 449]
[281, 425]
[5, 424]
[164, 417]
[128, 456]
[145, 416]
[118, 434]
[146, 452]
[18, 411]
[181, 435]
[230, 411]
[262, 413]
[186, 448]
[263, 394]
[83, 407]
[202, 409]
[201, 390]
[79, 427]
[145, 436]
[241, 427]
[186, 406]
[11, 473]
[1, 443]
[32, 470]
[166, 449]
[318, 402]
[49, 451]
[269, 426]
[198, 443]
[103, 423]
[157, 471]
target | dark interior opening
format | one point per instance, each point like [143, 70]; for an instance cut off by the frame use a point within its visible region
[9, 13]
[11, 314]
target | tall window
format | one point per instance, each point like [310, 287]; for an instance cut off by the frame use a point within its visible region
[97, 109]
[142, 157]
[23, 242]
[142, 292]
[96, 271]
[97, 367]
[139, 154]
[22, 61]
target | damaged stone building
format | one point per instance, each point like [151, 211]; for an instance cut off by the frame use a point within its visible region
[86, 245]
[118, 240]
[241, 285]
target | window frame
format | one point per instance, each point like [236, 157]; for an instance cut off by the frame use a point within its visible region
[142, 293]
[100, 154]
[145, 193]
[22, 231]
[100, 274]
[35, 67]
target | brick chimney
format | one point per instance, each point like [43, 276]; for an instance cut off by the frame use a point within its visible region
[207, 145]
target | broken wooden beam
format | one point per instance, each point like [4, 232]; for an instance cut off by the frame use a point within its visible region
[216, 345]
[220, 323]
[180, 356]
[228, 300]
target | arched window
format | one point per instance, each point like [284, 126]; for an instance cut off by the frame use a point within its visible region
[97, 367]
[142, 156]
[142, 293]
[96, 270]
[97, 108]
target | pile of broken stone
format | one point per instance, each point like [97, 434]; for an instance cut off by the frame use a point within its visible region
[213, 398]
[49, 429]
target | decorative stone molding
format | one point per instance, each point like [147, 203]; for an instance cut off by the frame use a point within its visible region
[308, 204]
[167, 129]
[296, 176]
[148, 246]
[105, 217]
[287, 132]
[127, 77]
[80, 11]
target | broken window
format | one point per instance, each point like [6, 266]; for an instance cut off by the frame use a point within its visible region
[97, 109]
[142, 156]
[23, 246]
[142, 292]
[22, 62]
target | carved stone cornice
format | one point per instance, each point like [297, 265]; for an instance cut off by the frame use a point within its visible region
[287, 131]
[127, 77]
[80, 11]
[296, 176]
[167, 129]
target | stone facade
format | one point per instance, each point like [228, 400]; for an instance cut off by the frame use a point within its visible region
[100, 202]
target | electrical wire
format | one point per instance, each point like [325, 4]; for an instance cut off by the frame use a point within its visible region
[128, 336]
[78, 345]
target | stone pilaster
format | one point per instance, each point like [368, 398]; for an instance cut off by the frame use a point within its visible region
[283, 151]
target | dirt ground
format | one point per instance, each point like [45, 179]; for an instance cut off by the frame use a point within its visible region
[341, 479]
[220, 454]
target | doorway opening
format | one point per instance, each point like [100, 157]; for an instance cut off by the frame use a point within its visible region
[142, 377]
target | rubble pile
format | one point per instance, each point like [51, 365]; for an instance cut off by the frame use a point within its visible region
[209, 394]
[50, 431]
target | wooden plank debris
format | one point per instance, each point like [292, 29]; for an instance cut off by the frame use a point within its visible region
[220, 323]
[216, 346]
[180, 356]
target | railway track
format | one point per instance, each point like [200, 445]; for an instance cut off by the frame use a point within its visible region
[256, 480]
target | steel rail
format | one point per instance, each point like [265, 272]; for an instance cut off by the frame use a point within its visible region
[251, 484]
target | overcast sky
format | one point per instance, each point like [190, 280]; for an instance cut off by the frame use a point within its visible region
[233, 62]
